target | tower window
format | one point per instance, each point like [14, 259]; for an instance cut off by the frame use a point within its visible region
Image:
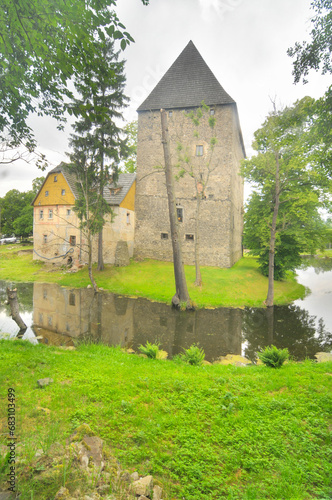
[212, 111]
[190, 237]
[199, 150]
[179, 214]
[170, 114]
[164, 236]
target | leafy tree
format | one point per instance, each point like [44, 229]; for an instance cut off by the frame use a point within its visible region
[285, 202]
[14, 206]
[43, 45]
[315, 54]
[199, 168]
[130, 162]
[99, 109]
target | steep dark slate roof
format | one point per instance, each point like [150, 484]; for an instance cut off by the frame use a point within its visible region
[121, 188]
[186, 84]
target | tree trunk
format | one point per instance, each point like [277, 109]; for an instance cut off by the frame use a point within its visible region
[270, 292]
[15, 310]
[198, 281]
[94, 284]
[182, 295]
[101, 266]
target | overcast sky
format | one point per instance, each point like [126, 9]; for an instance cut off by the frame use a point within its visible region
[244, 42]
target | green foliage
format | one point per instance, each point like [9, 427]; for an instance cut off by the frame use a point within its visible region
[17, 213]
[213, 432]
[131, 152]
[194, 355]
[282, 141]
[315, 54]
[44, 45]
[273, 357]
[150, 350]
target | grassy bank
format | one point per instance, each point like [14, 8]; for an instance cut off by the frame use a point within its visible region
[206, 432]
[240, 286]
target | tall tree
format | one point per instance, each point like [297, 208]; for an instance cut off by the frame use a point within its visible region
[182, 295]
[130, 162]
[43, 45]
[315, 54]
[285, 196]
[99, 110]
[199, 168]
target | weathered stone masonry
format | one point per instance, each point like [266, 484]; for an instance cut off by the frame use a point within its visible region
[221, 218]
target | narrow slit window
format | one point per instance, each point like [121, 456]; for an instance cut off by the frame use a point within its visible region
[164, 236]
[199, 150]
[128, 218]
[179, 214]
[45, 238]
[68, 211]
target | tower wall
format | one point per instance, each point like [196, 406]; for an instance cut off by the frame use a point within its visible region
[221, 219]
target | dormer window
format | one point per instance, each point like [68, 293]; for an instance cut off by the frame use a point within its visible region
[115, 190]
[170, 114]
[63, 192]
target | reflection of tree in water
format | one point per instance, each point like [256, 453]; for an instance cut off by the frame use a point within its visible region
[285, 326]
[24, 293]
[320, 265]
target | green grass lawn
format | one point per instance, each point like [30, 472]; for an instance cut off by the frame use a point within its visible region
[211, 432]
[240, 286]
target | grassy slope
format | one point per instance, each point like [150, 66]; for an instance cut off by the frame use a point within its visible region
[207, 432]
[242, 285]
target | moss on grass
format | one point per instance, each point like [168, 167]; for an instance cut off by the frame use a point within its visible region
[204, 432]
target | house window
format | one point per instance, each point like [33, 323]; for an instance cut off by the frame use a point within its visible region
[55, 178]
[41, 214]
[72, 299]
[199, 150]
[128, 218]
[45, 238]
[179, 214]
[63, 192]
[50, 213]
[164, 236]
[68, 211]
[190, 237]
[72, 241]
[212, 111]
[46, 193]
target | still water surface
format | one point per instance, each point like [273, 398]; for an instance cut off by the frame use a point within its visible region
[57, 315]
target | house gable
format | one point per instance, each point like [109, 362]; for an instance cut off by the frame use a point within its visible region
[129, 200]
[55, 191]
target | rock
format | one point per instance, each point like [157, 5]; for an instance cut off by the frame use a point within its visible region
[63, 494]
[89, 286]
[161, 354]
[91, 451]
[121, 254]
[322, 357]
[44, 382]
[143, 486]
[232, 359]
[175, 301]
[134, 476]
[157, 492]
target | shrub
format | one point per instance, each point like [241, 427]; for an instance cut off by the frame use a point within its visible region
[273, 357]
[150, 350]
[193, 355]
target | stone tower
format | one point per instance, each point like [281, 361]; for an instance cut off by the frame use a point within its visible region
[187, 83]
